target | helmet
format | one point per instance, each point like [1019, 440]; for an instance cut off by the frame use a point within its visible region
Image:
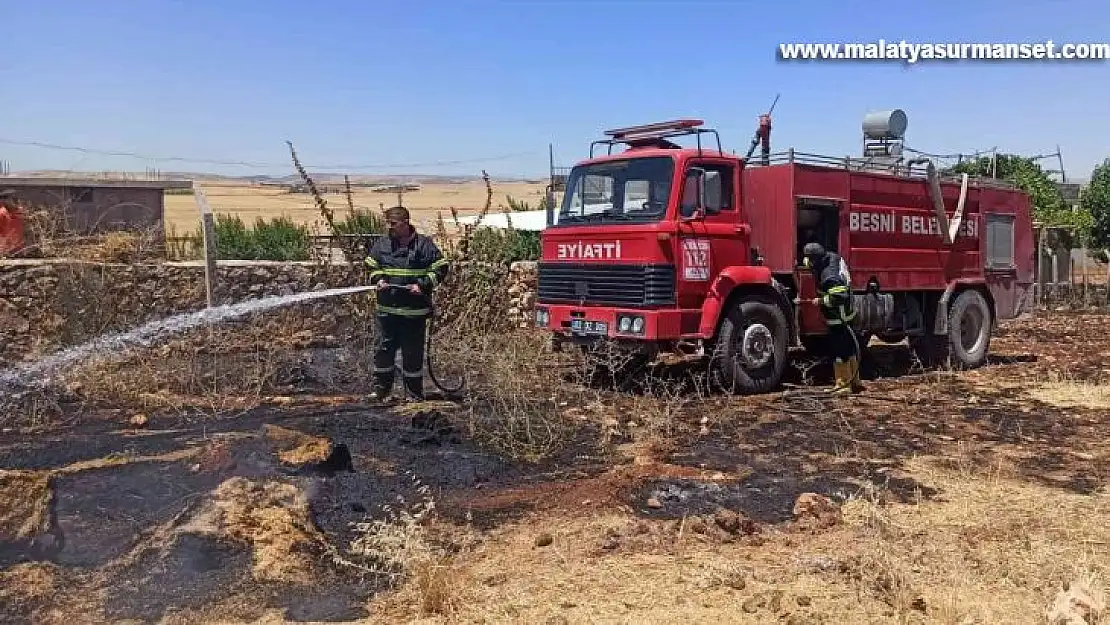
[813, 255]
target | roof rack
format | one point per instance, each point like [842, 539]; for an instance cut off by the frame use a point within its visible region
[656, 135]
[874, 166]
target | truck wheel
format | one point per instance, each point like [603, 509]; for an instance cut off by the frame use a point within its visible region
[968, 338]
[751, 352]
[969, 330]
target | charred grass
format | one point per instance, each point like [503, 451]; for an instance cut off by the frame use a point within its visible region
[545, 495]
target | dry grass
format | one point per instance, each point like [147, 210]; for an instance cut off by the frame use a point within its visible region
[996, 550]
[1060, 391]
[250, 202]
[273, 519]
[295, 447]
[25, 507]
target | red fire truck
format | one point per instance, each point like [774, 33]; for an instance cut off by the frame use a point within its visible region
[695, 252]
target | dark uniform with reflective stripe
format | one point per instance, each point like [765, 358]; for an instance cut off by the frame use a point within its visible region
[835, 298]
[402, 314]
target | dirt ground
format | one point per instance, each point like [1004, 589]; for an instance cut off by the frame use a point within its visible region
[251, 202]
[934, 497]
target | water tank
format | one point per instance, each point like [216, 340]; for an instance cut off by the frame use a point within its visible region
[885, 124]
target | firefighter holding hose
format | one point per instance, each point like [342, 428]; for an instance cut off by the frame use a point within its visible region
[834, 283]
[406, 266]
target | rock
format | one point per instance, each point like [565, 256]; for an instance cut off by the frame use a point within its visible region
[652, 502]
[754, 604]
[544, 539]
[817, 508]
[727, 520]
[735, 522]
[138, 421]
[735, 581]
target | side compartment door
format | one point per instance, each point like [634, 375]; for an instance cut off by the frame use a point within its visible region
[1000, 266]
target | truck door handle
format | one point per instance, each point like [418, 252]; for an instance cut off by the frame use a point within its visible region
[743, 229]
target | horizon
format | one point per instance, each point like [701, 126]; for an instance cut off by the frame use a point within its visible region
[448, 90]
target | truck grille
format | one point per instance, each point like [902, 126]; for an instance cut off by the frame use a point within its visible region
[612, 285]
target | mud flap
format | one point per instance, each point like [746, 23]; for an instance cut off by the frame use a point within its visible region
[940, 320]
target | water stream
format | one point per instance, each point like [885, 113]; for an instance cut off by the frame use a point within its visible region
[150, 333]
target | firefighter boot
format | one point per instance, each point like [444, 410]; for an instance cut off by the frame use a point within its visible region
[414, 385]
[382, 384]
[843, 373]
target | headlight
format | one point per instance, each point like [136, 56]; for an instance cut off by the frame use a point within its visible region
[628, 324]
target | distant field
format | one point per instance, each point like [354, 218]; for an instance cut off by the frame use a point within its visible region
[251, 202]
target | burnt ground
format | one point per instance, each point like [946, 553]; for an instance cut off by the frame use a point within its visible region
[116, 524]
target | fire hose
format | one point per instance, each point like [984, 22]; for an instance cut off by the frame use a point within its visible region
[444, 387]
[812, 401]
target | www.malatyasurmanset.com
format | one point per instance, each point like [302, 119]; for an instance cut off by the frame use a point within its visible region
[909, 52]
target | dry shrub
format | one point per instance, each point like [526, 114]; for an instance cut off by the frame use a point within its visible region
[31, 407]
[402, 552]
[47, 236]
[178, 377]
[518, 404]
[518, 400]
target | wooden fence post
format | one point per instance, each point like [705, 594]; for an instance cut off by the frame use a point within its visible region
[208, 228]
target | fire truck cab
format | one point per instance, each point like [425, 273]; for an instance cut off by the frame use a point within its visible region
[691, 251]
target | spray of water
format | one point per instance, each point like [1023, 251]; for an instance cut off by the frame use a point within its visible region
[146, 335]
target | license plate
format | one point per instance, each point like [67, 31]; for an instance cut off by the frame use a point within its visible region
[582, 326]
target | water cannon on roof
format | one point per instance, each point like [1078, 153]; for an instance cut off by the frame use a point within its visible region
[655, 135]
[762, 138]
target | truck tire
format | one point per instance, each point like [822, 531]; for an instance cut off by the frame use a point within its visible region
[969, 330]
[965, 344]
[750, 354]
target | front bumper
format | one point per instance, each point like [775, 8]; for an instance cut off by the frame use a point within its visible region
[607, 322]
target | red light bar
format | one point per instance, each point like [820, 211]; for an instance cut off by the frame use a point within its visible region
[658, 127]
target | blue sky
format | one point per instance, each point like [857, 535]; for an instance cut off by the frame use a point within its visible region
[411, 83]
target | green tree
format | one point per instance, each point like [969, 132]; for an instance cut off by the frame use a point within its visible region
[1048, 204]
[1095, 201]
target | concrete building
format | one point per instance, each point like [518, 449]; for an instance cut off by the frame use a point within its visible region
[90, 206]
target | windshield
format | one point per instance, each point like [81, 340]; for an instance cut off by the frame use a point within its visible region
[631, 190]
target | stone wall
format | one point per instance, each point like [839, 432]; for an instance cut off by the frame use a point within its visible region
[49, 304]
[522, 291]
